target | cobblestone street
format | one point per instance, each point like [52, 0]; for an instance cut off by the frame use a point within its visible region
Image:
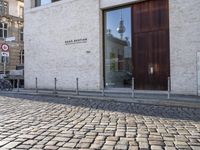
[37, 122]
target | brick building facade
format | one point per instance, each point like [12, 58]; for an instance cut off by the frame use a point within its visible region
[11, 33]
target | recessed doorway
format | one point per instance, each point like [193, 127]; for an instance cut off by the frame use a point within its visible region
[136, 45]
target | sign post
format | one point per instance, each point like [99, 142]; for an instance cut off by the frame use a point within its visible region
[4, 55]
[10, 39]
[4, 67]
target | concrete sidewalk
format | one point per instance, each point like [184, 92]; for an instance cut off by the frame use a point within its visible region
[160, 98]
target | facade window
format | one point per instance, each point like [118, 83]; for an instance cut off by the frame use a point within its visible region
[21, 12]
[3, 30]
[118, 47]
[3, 7]
[44, 2]
[21, 57]
[22, 34]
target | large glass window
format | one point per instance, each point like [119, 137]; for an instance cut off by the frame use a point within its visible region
[117, 50]
[3, 30]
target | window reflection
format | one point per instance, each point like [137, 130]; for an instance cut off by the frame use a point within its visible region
[118, 55]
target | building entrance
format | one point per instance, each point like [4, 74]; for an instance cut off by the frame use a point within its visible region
[136, 44]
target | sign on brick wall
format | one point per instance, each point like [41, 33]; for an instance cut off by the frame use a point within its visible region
[76, 41]
[5, 47]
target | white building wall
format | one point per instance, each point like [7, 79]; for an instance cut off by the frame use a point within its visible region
[46, 55]
[184, 45]
[113, 3]
[71, 19]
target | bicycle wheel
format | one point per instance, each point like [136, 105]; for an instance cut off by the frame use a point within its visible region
[7, 85]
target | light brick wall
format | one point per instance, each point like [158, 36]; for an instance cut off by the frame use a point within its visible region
[46, 57]
[184, 44]
[113, 3]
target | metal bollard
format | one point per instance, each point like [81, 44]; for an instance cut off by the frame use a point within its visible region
[169, 88]
[103, 91]
[103, 88]
[77, 89]
[133, 88]
[13, 83]
[36, 85]
[55, 86]
[17, 85]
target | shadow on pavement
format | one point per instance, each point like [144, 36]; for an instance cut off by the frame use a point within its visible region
[178, 113]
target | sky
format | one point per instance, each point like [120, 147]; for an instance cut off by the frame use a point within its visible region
[113, 19]
[43, 2]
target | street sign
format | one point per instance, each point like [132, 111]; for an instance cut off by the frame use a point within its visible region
[10, 39]
[5, 54]
[16, 72]
[5, 47]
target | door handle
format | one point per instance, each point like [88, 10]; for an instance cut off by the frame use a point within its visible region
[151, 70]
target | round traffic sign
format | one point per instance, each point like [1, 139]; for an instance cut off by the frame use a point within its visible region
[4, 47]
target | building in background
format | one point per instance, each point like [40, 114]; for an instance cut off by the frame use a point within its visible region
[105, 43]
[11, 34]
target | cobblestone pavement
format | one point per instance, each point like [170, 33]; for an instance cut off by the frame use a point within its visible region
[36, 123]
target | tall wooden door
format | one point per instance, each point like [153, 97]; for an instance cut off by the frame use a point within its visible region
[150, 34]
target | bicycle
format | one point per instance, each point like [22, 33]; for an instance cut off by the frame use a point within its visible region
[5, 85]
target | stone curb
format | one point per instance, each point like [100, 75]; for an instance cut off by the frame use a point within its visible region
[145, 101]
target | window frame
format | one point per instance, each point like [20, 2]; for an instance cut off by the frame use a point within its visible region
[38, 3]
[21, 56]
[21, 34]
[1, 8]
[21, 11]
[4, 7]
[113, 65]
[4, 30]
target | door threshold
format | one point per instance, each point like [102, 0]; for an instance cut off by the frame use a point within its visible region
[129, 90]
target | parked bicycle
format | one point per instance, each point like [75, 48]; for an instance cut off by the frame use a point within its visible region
[5, 85]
